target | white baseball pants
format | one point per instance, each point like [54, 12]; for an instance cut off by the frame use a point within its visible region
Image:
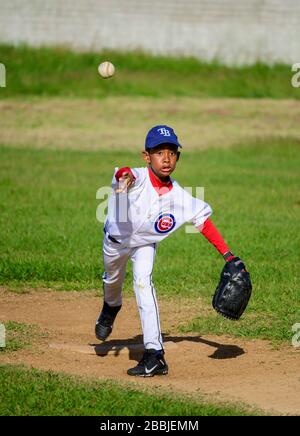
[115, 259]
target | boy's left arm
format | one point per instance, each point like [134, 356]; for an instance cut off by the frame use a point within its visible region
[210, 232]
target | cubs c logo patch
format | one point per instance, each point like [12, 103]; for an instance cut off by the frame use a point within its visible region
[164, 223]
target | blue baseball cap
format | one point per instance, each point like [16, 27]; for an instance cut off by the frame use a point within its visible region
[161, 134]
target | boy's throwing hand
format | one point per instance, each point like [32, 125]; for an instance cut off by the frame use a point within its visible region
[125, 182]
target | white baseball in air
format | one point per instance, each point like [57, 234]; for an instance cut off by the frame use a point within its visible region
[106, 69]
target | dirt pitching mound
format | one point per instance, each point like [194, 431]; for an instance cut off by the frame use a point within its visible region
[223, 367]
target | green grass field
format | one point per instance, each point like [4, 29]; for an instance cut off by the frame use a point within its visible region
[35, 393]
[64, 130]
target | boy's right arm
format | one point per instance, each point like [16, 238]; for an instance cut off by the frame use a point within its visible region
[125, 178]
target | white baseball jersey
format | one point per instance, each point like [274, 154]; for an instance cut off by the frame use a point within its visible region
[142, 216]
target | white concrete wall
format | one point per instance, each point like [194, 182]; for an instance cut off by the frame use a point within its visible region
[233, 31]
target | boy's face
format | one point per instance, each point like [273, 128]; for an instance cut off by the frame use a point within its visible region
[162, 159]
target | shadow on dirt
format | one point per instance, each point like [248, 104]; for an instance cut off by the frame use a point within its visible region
[134, 345]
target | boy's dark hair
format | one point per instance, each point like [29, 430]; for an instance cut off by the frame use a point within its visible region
[149, 150]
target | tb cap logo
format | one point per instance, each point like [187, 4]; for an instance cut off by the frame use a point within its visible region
[163, 131]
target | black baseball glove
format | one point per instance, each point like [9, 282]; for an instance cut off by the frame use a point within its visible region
[233, 291]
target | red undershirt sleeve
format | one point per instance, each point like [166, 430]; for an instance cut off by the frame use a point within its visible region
[210, 232]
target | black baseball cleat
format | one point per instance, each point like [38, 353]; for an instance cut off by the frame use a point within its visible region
[104, 323]
[152, 363]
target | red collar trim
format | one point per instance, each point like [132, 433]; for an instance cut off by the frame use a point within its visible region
[160, 187]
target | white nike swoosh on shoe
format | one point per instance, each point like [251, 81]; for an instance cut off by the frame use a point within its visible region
[147, 371]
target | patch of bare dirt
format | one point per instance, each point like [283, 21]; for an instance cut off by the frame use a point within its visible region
[228, 368]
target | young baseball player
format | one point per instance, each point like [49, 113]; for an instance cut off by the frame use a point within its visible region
[145, 207]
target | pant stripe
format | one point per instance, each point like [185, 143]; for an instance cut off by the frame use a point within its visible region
[156, 308]
[157, 318]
